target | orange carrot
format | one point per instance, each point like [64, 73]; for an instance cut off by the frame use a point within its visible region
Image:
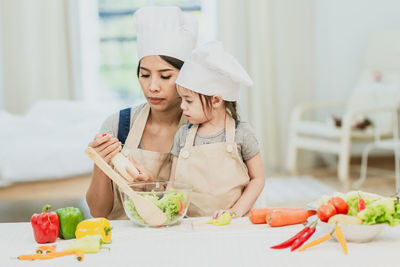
[340, 237]
[35, 257]
[47, 256]
[316, 242]
[258, 216]
[287, 217]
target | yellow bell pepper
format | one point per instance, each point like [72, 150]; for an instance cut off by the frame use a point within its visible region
[95, 226]
[224, 219]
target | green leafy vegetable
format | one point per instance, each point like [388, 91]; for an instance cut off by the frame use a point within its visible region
[381, 211]
[169, 204]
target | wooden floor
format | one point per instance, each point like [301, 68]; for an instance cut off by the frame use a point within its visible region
[19, 201]
[74, 187]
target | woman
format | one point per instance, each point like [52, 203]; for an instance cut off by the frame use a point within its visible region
[165, 37]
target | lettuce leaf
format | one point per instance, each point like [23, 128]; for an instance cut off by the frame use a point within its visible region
[381, 211]
[168, 203]
[352, 200]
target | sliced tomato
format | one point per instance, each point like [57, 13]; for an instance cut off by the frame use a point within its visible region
[182, 209]
[360, 204]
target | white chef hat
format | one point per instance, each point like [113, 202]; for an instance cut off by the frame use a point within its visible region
[210, 70]
[165, 31]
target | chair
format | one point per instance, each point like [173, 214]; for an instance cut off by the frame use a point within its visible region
[388, 144]
[376, 91]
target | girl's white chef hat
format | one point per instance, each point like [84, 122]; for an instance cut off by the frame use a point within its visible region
[165, 31]
[210, 70]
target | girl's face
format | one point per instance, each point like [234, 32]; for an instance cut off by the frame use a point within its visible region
[192, 106]
[157, 79]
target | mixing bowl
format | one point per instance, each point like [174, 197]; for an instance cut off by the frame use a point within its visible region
[172, 198]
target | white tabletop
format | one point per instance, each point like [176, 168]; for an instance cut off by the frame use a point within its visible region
[194, 243]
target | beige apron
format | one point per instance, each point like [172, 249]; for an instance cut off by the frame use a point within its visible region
[216, 172]
[158, 163]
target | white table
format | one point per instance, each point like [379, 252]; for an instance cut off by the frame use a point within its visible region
[194, 243]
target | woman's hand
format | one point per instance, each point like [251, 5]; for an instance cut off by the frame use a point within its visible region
[235, 213]
[145, 175]
[106, 146]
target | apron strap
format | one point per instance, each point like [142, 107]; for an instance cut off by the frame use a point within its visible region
[229, 132]
[230, 126]
[192, 134]
[135, 134]
[124, 124]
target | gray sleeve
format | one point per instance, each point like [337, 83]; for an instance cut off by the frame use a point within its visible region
[110, 125]
[179, 140]
[249, 143]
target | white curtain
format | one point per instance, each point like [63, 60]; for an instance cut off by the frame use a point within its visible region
[36, 52]
[273, 40]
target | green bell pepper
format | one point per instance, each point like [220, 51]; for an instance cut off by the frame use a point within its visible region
[69, 219]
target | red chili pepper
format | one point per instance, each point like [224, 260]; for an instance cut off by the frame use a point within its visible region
[299, 241]
[360, 204]
[182, 209]
[103, 134]
[289, 242]
[45, 226]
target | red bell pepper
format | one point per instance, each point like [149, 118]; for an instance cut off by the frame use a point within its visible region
[182, 209]
[45, 226]
[360, 204]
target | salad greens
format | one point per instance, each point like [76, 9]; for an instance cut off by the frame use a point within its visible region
[169, 203]
[352, 200]
[378, 209]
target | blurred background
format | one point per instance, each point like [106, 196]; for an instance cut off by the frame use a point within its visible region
[65, 65]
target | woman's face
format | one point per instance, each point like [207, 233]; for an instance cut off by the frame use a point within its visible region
[157, 79]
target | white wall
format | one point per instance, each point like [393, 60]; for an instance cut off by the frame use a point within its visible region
[342, 28]
[1, 71]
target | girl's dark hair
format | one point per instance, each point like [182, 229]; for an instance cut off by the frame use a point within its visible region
[231, 106]
[177, 63]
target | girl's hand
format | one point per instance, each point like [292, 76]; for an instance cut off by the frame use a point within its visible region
[145, 175]
[236, 213]
[106, 146]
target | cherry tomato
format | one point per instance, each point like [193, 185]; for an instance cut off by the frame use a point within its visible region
[326, 211]
[339, 204]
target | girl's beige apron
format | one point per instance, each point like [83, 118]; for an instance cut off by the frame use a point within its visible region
[216, 171]
[158, 163]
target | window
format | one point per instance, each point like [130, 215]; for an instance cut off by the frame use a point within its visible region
[118, 55]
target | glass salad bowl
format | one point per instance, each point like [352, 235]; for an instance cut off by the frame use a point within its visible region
[171, 197]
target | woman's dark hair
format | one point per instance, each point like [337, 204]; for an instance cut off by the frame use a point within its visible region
[231, 106]
[177, 63]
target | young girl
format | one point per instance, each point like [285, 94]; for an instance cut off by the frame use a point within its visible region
[216, 153]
